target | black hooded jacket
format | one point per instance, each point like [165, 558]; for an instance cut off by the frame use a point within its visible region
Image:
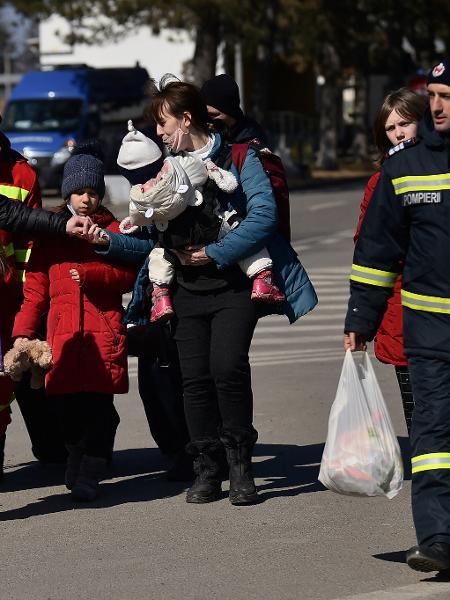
[247, 129]
[18, 218]
[408, 223]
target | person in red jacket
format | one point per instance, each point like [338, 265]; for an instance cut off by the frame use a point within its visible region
[19, 183]
[395, 123]
[83, 295]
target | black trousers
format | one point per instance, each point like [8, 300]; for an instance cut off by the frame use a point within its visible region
[40, 415]
[90, 418]
[160, 385]
[430, 444]
[213, 331]
[161, 391]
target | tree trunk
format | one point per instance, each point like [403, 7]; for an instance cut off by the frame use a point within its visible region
[207, 39]
[359, 145]
[329, 68]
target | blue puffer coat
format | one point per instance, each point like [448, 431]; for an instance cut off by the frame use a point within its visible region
[254, 198]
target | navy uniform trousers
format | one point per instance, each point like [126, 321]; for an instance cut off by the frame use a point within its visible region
[430, 444]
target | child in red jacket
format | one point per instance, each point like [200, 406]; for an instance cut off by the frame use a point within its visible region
[83, 295]
[395, 124]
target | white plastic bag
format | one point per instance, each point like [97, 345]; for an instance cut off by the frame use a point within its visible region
[361, 455]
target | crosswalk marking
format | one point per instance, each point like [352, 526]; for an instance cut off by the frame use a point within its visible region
[277, 343]
[312, 242]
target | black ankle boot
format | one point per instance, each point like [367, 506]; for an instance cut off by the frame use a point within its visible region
[435, 557]
[2, 454]
[207, 486]
[239, 445]
[74, 455]
[92, 471]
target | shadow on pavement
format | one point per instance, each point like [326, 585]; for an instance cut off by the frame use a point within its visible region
[35, 475]
[288, 470]
[292, 468]
[295, 469]
[399, 556]
[127, 463]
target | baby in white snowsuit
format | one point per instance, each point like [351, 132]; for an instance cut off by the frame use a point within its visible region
[168, 195]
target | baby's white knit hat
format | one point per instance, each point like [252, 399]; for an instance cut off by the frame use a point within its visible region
[137, 150]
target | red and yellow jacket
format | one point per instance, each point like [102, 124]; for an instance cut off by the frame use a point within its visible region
[18, 181]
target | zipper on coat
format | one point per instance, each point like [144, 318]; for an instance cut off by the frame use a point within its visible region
[109, 326]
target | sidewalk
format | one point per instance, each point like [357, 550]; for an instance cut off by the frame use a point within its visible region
[320, 178]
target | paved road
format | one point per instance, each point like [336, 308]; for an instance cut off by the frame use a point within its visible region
[140, 540]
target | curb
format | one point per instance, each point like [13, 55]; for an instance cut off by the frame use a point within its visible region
[312, 184]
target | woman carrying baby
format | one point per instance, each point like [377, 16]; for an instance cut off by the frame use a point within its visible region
[215, 316]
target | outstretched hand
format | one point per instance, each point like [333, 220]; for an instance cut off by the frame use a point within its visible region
[97, 235]
[86, 229]
[78, 226]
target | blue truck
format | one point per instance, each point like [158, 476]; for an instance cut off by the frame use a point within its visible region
[50, 111]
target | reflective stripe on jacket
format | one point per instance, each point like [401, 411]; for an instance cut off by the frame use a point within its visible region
[18, 181]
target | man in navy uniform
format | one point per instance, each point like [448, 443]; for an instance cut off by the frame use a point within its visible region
[407, 228]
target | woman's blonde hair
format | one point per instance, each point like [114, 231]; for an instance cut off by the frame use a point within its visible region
[408, 104]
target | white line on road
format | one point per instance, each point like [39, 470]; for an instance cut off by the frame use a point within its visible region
[341, 286]
[325, 205]
[264, 331]
[302, 339]
[419, 591]
[317, 316]
[339, 308]
[299, 359]
[293, 353]
[331, 270]
[330, 277]
[331, 295]
[301, 246]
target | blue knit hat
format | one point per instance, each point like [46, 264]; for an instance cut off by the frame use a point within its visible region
[83, 171]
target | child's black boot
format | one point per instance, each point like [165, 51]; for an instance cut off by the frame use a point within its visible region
[92, 471]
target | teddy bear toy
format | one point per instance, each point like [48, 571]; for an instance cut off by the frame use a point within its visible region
[28, 355]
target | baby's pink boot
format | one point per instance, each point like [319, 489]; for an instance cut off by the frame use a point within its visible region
[162, 309]
[264, 290]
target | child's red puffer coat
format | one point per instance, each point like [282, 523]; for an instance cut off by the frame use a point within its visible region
[389, 338]
[84, 327]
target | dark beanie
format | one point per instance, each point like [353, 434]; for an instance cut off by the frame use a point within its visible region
[83, 171]
[440, 73]
[222, 93]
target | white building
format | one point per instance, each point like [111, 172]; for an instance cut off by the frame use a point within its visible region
[159, 54]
